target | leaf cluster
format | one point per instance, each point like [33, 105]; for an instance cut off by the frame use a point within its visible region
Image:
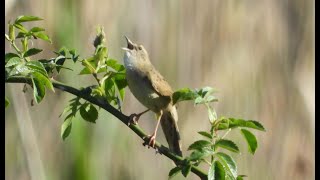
[208, 150]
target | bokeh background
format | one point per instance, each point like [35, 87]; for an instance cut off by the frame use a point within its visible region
[258, 54]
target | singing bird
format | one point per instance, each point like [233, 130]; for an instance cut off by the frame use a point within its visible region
[154, 92]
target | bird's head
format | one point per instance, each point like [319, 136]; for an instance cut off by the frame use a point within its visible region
[135, 53]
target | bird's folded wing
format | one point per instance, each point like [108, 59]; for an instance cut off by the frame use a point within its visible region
[160, 85]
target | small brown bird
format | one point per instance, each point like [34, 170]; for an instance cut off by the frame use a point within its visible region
[153, 91]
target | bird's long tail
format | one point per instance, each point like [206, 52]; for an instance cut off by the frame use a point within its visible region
[170, 128]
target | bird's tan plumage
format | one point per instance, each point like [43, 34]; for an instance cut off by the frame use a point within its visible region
[153, 91]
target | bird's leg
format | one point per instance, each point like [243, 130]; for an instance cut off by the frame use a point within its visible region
[134, 118]
[152, 137]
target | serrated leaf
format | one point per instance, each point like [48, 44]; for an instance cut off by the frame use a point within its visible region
[251, 140]
[184, 94]
[89, 113]
[31, 52]
[216, 171]
[227, 144]
[185, 170]
[174, 171]
[13, 62]
[234, 123]
[21, 19]
[198, 145]
[7, 102]
[42, 36]
[66, 128]
[228, 163]
[205, 134]
[255, 125]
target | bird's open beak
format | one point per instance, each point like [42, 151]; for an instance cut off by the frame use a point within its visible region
[129, 44]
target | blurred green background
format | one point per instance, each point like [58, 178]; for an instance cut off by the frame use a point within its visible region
[259, 54]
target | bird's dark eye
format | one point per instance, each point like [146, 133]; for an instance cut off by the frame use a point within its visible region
[140, 48]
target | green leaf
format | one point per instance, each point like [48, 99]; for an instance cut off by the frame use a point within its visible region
[115, 65]
[211, 172]
[228, 163]
[20, 27]
[185, 170]
[42, 36]
[13, 62]
[11, 32]
[36, 66]
[85, 70]
[227, 144]
[211, 114]
[39, 82]
[230, 177]
[200, 154]
[174, 171]
[20, 69]
[73, 54]
[206, 91]
[62, 51]
[251, 140]
[100, 55]
[89, 113]
[184, 94]
[60, 61]
[21, 19]
[38, 90]
[121, 82]
[7, 102]
[21, 35]
[36, 29]
[255, 125]
[89, 65]
[205, 134]
[240, 177]
[216, 171]
[8, 56]
[233, 123]
[66, 128]
[198, 145]
[31, 52]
